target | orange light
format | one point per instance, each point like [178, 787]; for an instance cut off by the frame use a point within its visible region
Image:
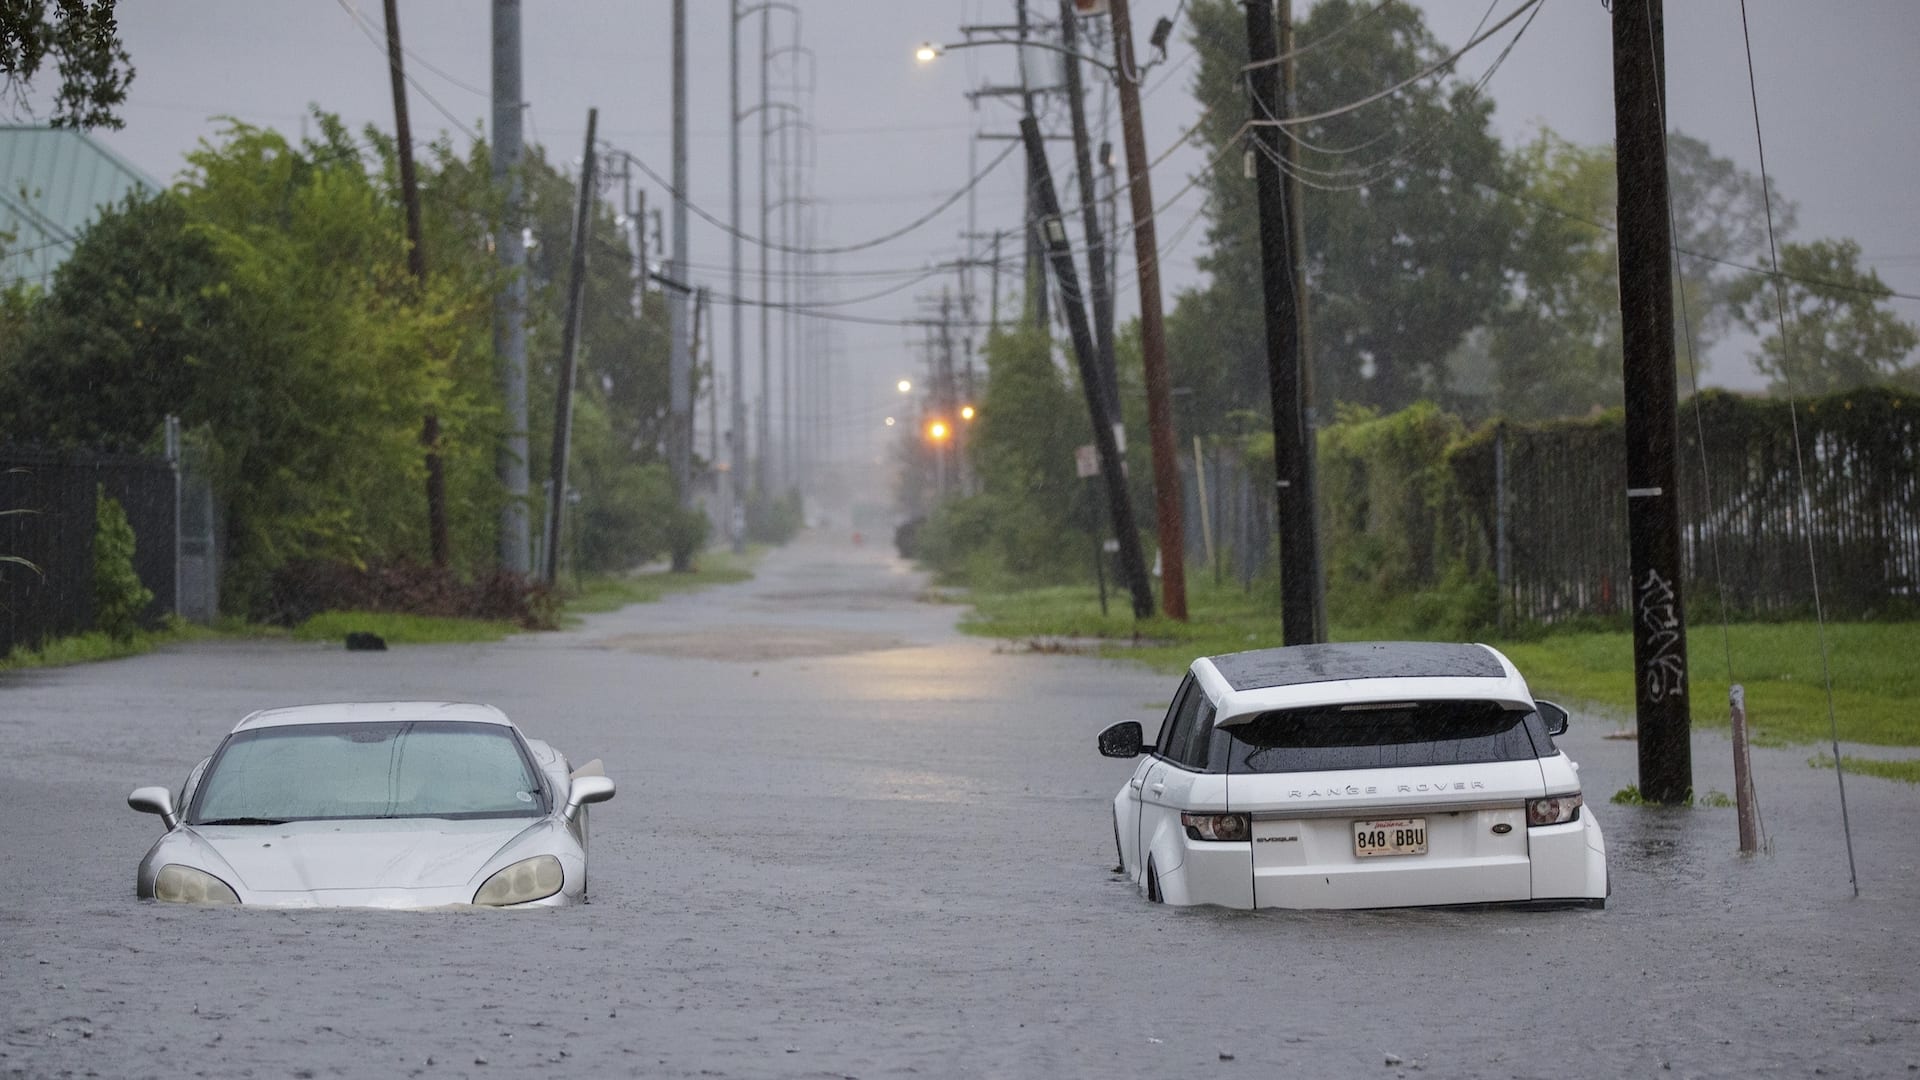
[966, 412]
[937, 430]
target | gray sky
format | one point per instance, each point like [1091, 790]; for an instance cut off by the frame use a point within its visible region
[1837, 83]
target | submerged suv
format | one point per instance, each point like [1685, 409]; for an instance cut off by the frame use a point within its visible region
[1356, 775]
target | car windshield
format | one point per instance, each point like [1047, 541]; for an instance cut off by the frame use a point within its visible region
[303, 772]
[1381, 736]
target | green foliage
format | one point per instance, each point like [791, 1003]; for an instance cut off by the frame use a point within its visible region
[1839, 333]
[1402, 261]
[119, 598]
[774, 519]
[82, 39]
[610, 592]
[1030, 521]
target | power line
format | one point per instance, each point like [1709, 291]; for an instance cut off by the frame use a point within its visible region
[378, 43]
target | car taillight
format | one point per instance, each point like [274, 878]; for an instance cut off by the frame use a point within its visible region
[1217, 827]
[1554, 809]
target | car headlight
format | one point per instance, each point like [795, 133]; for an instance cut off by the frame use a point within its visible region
[178, 884]
[525, 881]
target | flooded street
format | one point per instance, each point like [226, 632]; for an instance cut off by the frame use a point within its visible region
[850, 842]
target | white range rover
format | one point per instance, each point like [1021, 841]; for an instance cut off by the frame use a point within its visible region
[1356, 775]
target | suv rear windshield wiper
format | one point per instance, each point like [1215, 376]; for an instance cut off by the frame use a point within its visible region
[244, 821]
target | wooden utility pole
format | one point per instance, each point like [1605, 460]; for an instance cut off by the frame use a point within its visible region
[569, 347]
[1153, 333]
[417, 265]
[1052, 230]
[1661, 697]
[1300, 619]
[510, 302]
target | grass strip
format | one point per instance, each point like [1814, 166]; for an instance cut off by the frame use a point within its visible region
[611, 592]
[88, 647]
[1875, 678]
[398, 629]
[1908, 770]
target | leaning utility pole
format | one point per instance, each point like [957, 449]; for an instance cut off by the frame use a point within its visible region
[1302, 314]
[510, 303]
[1646, 311]
[1300, 620]
[417, 265]
[680, 359]
[569, 346]
[1153, 333]
[1090, 215]
[1051, 229]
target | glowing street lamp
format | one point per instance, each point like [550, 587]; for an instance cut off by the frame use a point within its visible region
[889, 421]
[938, 431]
[927, 52]
[966, 412]
[904, 386]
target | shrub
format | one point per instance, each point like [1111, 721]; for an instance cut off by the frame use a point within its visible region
[305, 588]
[118, 595]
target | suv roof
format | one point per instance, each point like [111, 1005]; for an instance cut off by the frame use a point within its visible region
[1245, 684]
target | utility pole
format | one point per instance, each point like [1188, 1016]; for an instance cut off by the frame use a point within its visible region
[1036, 271]
[1112, 468]
[1153, 332]
[1297, 254]
[510, 303]
[680, 357]
[569, 345]
[737, 408]
[1090, 216]
[417, 265]
[1292, 439]
[762, 444]
[1646, 309]
[713, 382]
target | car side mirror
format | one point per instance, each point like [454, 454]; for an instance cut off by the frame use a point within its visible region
[1121, 740]
[587, 789]
[155, 800]
[1556, 717]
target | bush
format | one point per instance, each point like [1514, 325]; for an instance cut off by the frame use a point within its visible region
[687, 532]
[118, 595]
[305, 588]
[774, 519]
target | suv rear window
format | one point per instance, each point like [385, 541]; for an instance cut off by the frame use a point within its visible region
[1384, 736]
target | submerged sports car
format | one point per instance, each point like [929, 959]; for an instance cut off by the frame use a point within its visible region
[1356, 775]
[389, 805]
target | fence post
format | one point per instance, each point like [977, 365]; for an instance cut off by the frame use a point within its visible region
[1743, 772]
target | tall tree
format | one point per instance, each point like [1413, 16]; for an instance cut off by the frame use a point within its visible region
[83, 40]
[1839, 332]
[1405, 251]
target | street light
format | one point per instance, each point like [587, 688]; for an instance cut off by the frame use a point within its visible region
[905, 386]
[966, 412]
[937, 431]
[929, 52]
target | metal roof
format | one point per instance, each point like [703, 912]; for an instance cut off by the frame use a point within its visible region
[53, 183]
[374, 712]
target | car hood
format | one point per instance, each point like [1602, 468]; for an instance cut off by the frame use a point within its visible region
[408, 853]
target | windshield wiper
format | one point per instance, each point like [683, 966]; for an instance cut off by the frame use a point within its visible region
[244, 821]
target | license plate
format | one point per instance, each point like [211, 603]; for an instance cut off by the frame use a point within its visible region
[1401, 836]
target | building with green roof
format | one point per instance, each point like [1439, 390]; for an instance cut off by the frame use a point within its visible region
[53, 182]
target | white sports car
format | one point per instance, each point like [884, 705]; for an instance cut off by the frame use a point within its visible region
[401, 804]
[1356, 775]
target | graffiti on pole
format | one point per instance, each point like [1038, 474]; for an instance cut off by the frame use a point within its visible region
[1665, 667]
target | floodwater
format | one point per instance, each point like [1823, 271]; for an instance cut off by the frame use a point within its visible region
[850, 842]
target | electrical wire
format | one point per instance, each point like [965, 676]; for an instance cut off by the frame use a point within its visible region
[839, 249]
[376, 38]
[1799, 454]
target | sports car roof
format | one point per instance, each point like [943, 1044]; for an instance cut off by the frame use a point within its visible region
[363, 712]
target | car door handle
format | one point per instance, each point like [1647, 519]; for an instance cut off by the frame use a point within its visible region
[1159, 788]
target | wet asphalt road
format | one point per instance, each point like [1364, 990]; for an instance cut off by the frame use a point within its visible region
[850, 842]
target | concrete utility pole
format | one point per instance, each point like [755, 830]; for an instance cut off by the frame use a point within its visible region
[1102, 298]
[1153, 333]
[417, 265]
[1300, 618]
[680, 359]
[737, 407]
[1053, 231]
[1661, 695]
[569, 346]
[510, 303]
